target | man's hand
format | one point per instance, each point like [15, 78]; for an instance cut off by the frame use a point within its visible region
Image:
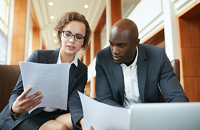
[91, 128]
[23, 104]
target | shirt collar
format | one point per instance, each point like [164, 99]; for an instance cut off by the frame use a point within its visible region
[75, 60]
[134, 62]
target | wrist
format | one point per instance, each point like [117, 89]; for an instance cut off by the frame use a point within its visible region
[14, 115]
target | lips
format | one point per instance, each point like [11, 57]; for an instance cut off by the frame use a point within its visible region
[116, 57]
[70, 47]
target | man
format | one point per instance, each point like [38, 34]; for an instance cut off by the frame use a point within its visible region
[128, 72]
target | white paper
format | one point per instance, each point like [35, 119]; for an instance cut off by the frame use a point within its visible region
[50, 79]
[102, 116]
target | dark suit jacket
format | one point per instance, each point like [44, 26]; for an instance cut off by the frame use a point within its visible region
[77, 82]
[153, 69]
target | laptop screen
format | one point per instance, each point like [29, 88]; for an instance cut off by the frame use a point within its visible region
[165, 116]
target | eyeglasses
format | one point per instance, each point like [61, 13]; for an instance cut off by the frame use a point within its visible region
[69, 35]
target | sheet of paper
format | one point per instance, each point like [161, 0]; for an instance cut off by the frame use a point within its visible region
[50, 79]
[102, 116]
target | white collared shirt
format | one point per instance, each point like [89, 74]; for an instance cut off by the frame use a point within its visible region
[75, 62]
[131, 83]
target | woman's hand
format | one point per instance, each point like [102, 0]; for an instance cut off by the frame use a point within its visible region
[23, 104]
[82, 122]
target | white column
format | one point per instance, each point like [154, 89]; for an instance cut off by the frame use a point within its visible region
[92, 49]
[92, 85]
[10, 31]
[40, 39]
[27, 30]
[108, 20]
[170, 30]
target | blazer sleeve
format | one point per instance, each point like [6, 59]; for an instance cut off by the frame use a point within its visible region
[18, 90]
[169, 85]
[103, 88]
[74, 102]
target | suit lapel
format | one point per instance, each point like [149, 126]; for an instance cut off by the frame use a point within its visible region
[119, 78]
[72, 72]
[141, 70]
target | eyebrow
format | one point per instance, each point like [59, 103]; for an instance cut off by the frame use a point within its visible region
[73, 34]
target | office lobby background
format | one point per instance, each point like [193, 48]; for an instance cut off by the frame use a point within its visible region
[27, 25]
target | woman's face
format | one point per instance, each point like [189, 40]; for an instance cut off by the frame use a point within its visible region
[70, 45]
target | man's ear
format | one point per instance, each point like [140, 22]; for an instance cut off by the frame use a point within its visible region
[137, 42]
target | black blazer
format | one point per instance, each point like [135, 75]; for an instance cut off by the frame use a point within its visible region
[77, 82]
[153, 69]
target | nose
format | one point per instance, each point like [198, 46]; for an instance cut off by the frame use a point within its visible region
[72, 39]
[115, 50]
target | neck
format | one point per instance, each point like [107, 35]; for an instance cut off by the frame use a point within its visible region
[66, 58]
[129, 62]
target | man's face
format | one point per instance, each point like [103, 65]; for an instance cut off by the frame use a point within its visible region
[123, 47]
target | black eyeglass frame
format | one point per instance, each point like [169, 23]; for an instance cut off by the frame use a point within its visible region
[72, 36]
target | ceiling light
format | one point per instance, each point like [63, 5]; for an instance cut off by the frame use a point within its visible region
[55, 41]
[54, 34]
[51, 3]
[86, 6]
[52, 17]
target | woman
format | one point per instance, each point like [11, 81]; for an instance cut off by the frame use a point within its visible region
[73, 33]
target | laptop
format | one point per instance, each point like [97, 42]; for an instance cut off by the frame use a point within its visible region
[165, 116]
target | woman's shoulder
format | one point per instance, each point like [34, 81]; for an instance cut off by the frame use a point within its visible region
[44, 56]
[46, 51]
[82, 65]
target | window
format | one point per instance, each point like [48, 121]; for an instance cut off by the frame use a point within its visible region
[4, 16]
[4, 21]
[3, 48]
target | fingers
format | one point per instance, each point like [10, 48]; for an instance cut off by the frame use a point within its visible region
[30, 98]
[23, 95]
[36, 101]
[26, 106]
[91, 128]
[23, 104]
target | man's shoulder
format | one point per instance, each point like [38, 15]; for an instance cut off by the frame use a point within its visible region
[104, 51]
[150, 50]
[104, 55]
[149, 47]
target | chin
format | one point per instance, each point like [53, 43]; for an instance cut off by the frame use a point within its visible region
[118, 62]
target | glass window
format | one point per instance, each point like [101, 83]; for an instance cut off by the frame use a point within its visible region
[4, 24]
[4, 16]
[103, 37]
[3, 48]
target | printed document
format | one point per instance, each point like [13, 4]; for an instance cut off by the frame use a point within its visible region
[50, 79]
[102, 116]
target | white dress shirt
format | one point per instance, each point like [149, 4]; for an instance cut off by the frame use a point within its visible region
[75, 62]
[131, 83]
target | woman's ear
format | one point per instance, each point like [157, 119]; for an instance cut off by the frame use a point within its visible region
[61, 36]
